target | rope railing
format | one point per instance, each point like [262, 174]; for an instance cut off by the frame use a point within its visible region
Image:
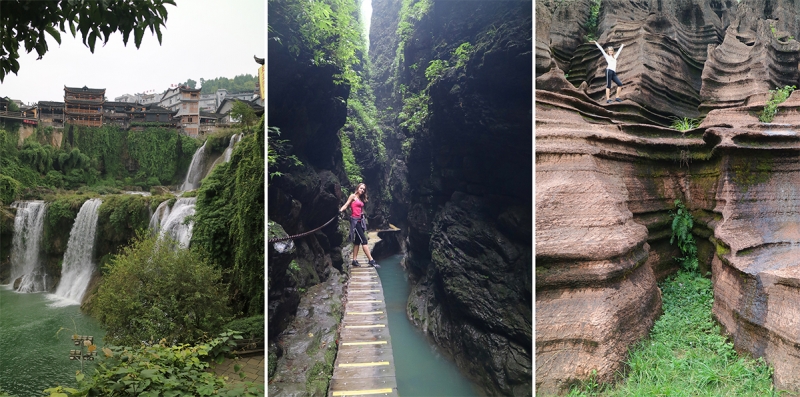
[275, 240]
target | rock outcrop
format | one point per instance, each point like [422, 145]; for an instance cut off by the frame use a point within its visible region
[607, 176]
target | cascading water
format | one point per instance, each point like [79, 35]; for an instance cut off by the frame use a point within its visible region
[25, 265]
[195, 173]
[170, 222]
[234, 140]
[78, 266]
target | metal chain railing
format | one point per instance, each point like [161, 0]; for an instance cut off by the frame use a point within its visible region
[275, 240]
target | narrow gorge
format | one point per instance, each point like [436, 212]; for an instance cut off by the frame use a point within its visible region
[608, 176]
[435, 117]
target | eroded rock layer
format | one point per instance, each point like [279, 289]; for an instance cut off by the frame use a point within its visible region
[608, 174]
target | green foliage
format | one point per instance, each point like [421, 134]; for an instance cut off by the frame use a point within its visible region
[93, 19]
[243, 113]
[278, 156]
[328, 32]
[415, 111]
[350, 166]
[594, 19]
[685, 124]
[411, 12]
[120, 217]
[682, 223]
[8, 189]
[191, 84]
[249, 327]
[229, 221]
[462, 54]
[240, 83]
[777, 96]
[154, 291]
[159, 369]
[687, 354]
[435, 69]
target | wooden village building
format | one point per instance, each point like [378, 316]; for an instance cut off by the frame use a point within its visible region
[84, 106]
[186, 102]
[51, 114]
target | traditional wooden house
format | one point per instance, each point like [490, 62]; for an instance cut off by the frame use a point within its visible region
[152, 116]
[209, 122]
[117, 113]
[84, 106]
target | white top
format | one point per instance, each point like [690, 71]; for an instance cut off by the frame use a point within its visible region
[612, 61]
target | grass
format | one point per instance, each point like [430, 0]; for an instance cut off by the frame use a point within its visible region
[686, 355]
[685, 124]
[777, 96]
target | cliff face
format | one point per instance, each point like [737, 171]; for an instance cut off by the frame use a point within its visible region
[465, 201]
[607, 176]
[308, 108]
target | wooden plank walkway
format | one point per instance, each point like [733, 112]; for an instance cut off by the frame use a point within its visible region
[364, 364]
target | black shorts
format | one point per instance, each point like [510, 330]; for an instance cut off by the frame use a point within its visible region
[612, 76]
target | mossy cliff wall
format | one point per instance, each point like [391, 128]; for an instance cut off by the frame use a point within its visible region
[459, 175]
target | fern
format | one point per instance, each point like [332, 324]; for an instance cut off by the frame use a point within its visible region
[682, 223]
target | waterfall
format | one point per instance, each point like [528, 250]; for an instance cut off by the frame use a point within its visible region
[195, 173]
[234, 140]
[166, 221]
[25, 266]
[78, 266]
[226, 155]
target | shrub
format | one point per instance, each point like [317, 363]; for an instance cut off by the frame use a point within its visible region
[682, 223]
[435, 69]
[250, 327]
[157, 370]
[154, 291]
[777, 96]
[462, 54]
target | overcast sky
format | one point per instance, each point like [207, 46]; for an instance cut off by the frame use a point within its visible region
[202, 39]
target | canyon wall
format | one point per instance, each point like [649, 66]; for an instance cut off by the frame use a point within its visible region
[460, 175]
[607, 176]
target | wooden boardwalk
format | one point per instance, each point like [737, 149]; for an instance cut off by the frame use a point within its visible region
[364, 364]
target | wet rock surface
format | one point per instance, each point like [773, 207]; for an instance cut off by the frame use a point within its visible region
[305, 350]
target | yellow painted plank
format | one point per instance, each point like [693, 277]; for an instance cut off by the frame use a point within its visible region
[363, 282]
[356, 392]
[366, 326]
[372, 364]
[365, 290]
[380, 342]
[375, 312]
[364, 301]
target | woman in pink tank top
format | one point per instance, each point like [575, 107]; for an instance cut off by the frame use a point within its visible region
[358, 223]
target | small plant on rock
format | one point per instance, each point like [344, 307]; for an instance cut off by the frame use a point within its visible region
[685, 124]
[777, 96]
[682, 223]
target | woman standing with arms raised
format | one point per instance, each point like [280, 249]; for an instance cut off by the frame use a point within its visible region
[358, 223]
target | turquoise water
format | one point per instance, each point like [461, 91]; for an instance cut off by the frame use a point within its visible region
[32, 356]
[420, 370]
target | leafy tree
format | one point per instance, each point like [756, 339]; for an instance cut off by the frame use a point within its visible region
[244, 113]
[240, 83]
[154, 291]
[191, 83]
[26, 21]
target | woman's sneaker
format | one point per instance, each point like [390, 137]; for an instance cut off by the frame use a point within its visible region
[355, 263]
[374, 264]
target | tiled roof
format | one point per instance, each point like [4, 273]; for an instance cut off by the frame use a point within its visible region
[85, 90]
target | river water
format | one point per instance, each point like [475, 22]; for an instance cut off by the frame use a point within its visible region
[420, 369]
[34, 355]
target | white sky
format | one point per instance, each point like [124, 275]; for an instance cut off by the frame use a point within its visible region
[366, 18]
[202, 39]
